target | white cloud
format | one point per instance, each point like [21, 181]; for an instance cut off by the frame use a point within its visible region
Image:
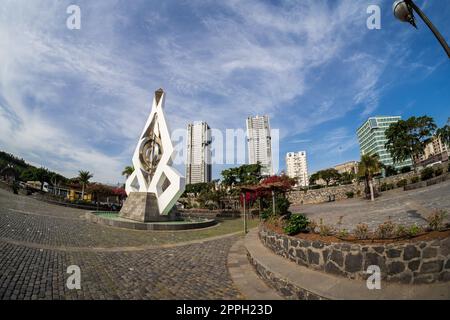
[77, 99]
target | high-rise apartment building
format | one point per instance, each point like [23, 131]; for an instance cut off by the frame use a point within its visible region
[347, 167]
[198, 163]
[372, 139]
[297, 167]
[259, 143]
[435, 151]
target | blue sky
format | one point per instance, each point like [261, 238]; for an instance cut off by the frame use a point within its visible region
[78, 99]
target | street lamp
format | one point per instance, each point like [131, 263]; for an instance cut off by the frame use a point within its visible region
[404, 11]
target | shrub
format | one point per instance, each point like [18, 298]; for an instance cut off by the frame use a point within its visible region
[15, 187]
[273, 220]
[342, 234]
[297, 223]
[438, 172]
[390, 171]
[401, 231]
[436, 220]
[265, 214]
[405, 169]
[387, 186]
[427, 173]
[312, 226]
[385, 230]
[402, 183]
[413, 230]
[325, 230]
[350, 194]
[362, 231]
[415, 179]
[282, 205]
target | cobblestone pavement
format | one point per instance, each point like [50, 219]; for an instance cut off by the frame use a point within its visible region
[402, 207]
[38, 241]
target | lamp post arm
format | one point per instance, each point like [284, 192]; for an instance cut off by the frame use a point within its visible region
[430, 25]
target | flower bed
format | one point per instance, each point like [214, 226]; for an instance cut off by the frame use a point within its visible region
[425, 259]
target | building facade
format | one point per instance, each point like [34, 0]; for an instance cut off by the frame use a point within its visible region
[259, 143]
[372, 139]
[297, 167]
[347, 167]
[435, 151]
[198, 162]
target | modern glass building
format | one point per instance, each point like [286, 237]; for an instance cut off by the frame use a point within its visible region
[372, 139]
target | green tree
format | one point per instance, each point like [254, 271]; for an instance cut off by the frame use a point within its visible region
[444, 134]
[329, 175]
[314, 178]
[326, 175]
[407, 139]
[347, 178]
[389, 170]
[368, 167]
[127, 171]
[247, 174]
[197, 188]
[99, 190]
[42, 175]
[83, 178]
[28, 174]
[250, 173]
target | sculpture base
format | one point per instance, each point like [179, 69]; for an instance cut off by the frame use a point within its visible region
[143, 207]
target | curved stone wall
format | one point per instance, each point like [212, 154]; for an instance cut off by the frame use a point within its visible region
[412, 262]
[157, 226]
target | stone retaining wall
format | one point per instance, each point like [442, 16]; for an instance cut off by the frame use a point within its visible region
[410, 263]
[298, 197]
[314, 196]
[395, 179]
[288, 290]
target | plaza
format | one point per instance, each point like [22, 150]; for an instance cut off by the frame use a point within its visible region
[39, 241]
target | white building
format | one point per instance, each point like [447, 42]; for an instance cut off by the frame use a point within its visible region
[259, 143]
[198, 163]
[297, 167]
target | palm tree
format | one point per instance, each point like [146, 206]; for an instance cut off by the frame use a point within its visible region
[83, 177]
[368, 167]
[128, 171]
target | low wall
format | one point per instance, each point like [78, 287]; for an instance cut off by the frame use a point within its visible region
[395, 179]
[298, 197]
[157, 226]
[411, 263]
[203, 213]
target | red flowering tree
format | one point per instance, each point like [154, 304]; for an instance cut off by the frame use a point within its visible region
[120, 192]
[280, 184]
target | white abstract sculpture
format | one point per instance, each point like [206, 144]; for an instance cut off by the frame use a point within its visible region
[152, 161]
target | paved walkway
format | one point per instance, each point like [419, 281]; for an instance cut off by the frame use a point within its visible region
[245, 277]
[402, 207]
[336, 288]
[38, 241]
